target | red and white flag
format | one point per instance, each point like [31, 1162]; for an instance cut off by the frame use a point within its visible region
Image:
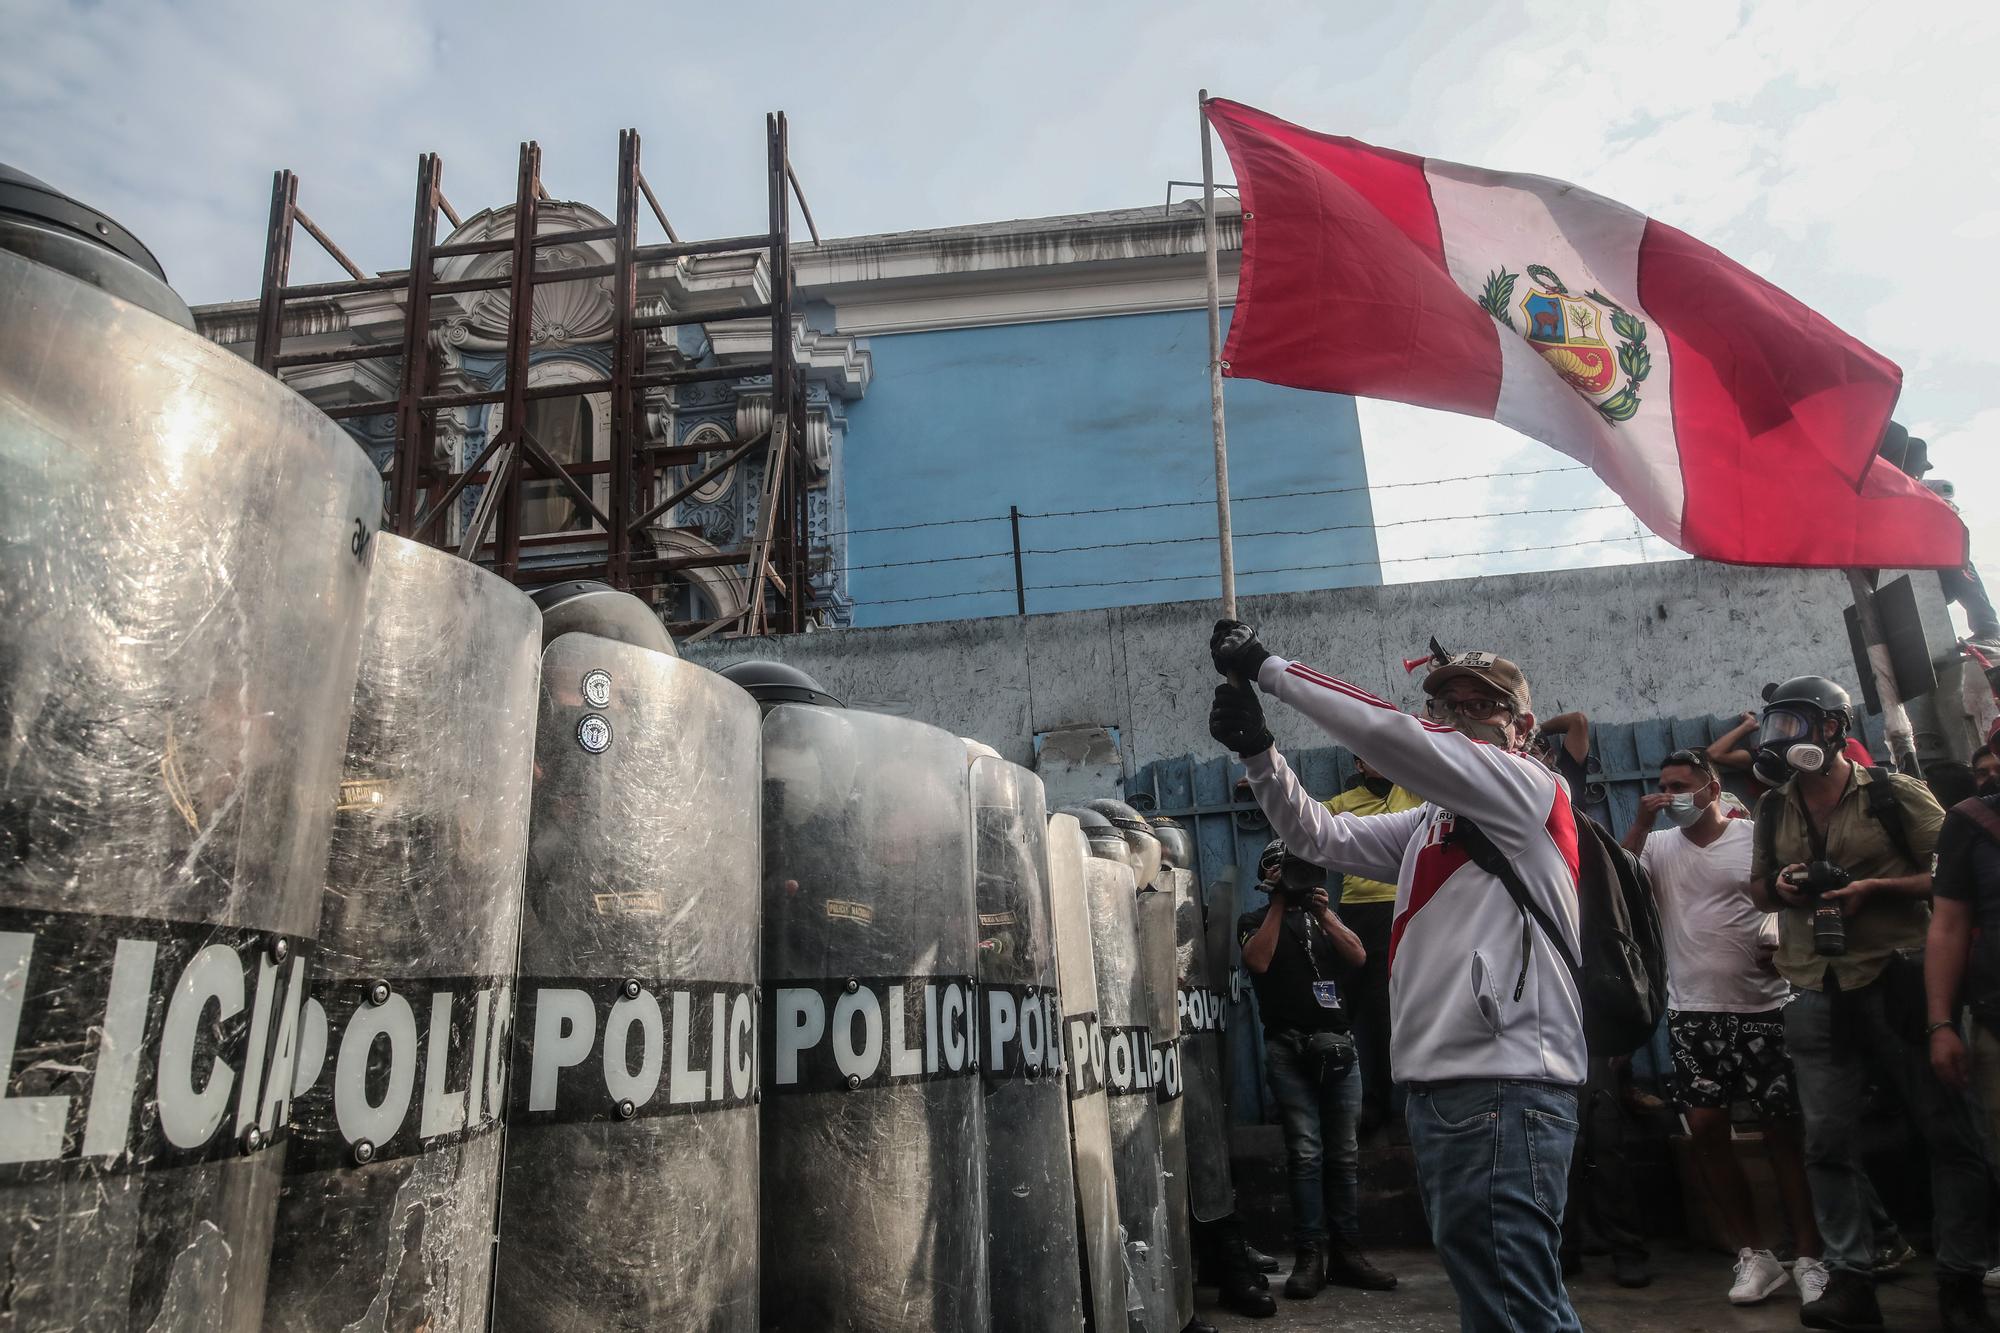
[1736, 423]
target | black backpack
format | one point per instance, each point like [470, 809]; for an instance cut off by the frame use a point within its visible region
[1622, 976]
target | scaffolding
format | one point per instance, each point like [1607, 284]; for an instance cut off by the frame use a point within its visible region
[421, 488]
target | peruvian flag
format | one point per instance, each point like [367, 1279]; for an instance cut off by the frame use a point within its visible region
[1737, 424]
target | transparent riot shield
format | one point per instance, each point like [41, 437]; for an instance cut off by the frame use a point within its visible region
[874, 1148]
[629, 1198]
[1156, 940]
[386, 1216]
[1083, 1059]
[184, 552]
[1125, 1007]
[1033, 1280]
[1210, 1191]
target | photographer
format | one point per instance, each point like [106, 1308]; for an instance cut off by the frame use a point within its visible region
[1295, 949]
[1843, 854]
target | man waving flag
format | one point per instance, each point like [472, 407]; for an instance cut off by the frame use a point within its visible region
[1736, 423]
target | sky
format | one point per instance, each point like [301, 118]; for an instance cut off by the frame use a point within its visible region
[1841, 149]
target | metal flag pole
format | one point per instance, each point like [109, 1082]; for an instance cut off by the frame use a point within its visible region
[1222, 531]
[1895, 718]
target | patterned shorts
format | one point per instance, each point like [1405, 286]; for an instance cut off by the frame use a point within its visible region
[1722, 1058]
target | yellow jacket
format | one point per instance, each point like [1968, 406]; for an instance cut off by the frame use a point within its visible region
[1358, 800]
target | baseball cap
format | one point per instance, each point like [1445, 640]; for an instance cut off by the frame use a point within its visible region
[1495, 672]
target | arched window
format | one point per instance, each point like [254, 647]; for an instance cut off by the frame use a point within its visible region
[566, 430]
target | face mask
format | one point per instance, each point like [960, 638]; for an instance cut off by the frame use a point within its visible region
[1493, 733]
[1378, 786]
[1683, 811]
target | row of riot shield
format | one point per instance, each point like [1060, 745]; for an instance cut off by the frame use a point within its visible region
[376, 954]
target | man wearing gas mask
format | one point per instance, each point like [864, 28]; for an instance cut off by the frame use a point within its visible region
[1298, 951]
[1487, 1024]
[1844, 854]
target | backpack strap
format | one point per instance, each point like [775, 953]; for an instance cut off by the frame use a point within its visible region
[1888, 812]
[1480, 849]
[1982, 814]
[1764, 826]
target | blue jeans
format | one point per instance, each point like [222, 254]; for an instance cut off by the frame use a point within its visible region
[1318, 1116]
[1833, 1068]
[1493, 1161]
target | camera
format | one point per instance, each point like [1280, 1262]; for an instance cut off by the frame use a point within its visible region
[1816, 880]
[1297, 878]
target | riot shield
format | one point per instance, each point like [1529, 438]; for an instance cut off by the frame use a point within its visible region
[630, 1191]
[874, 1147]
[184, 552]
[1210, 1191]
[1083, 1059]
[1156, 942]
[386, 1216]
[1033, 1279]
[1124, 1005]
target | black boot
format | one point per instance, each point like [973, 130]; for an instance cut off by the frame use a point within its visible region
[1195, 1325]
[1848, 1305]
[1246, 1293]
[1347, 1266]
[1962, 1304]
[1308, 1273]
[1262, 1262]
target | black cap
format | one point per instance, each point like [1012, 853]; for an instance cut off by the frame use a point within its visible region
[774, 683]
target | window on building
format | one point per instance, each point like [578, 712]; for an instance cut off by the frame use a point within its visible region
[564, 428]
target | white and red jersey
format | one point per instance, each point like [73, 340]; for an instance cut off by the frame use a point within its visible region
[1459, 944]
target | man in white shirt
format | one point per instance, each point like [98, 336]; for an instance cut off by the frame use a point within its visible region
[1725, 1014]
[1487, 1024]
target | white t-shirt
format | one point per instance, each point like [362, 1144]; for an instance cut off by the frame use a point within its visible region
[1712, 928]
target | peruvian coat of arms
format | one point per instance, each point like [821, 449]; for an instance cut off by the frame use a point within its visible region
[1595, 344]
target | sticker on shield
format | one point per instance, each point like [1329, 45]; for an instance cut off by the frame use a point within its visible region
[593, 733]
[597, 688]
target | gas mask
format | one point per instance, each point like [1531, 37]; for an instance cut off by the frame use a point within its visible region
[1789, 742]
[1377, 786]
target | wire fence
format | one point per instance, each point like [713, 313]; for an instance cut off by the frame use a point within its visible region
[1020, 552]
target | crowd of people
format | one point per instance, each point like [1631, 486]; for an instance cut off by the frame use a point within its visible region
[1834, 940]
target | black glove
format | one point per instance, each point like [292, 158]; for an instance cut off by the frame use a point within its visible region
[1237, 720]
[1234, 649]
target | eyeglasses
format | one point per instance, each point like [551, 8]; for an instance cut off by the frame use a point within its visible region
[1472, 710]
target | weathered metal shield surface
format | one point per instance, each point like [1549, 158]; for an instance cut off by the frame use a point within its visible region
[1156, 938]
[1084, 1057]
[1210, 1189]
[1034, 1280]
[874, 1144]
[1125, 1006]
[386, 1218]
[184, 552]
[630, 1189]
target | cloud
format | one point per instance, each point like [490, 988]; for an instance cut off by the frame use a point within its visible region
[1830, 146]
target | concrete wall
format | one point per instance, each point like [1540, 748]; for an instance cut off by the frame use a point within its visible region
[1623, 643]
[1076, 414]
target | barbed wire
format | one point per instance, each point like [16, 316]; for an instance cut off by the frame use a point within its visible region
[1204, 502]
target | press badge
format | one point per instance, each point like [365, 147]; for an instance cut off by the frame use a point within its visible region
[1327, 994]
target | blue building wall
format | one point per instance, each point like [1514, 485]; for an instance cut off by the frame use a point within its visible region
[1107, 413]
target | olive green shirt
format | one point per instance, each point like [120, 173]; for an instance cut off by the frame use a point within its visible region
[1857, 842]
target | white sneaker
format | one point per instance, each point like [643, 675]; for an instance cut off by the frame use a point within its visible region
[1758, 1274]
[1993, 1277]
[1811, 1275]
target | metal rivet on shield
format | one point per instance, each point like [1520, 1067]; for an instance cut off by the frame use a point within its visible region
[364, 1151]
[253, 1139]
[852, 985]
[626, 1110]
[853, 1082]
[756, 1096]
[279, 948]
[378, 994]
[631, 988]
[1034, 1071]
